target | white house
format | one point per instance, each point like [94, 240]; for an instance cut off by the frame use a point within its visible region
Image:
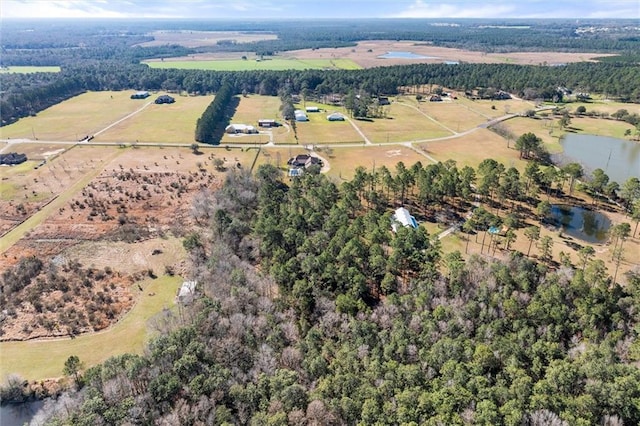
[187, 292]
[402, 217]
[240, 128]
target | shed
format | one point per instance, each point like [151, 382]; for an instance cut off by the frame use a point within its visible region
[141, 95]
[336, 116]
[312, 109]
[402, 217]
[300, 115]
[267, 123]
[187, 292]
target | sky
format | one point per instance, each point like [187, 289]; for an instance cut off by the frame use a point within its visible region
[309, 9]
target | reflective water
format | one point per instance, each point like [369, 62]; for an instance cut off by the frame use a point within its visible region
[404, 55]
[586, 225]
[619, 158]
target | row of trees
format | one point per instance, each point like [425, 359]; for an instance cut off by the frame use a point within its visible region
[210, 126]
[306, 338]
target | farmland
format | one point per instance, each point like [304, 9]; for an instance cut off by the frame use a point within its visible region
[267, 64]
[28, 70]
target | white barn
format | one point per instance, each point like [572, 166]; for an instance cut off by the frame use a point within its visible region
[187, 292]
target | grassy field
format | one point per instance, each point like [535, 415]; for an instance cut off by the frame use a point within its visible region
[471, 149]
[454, 115]
[503, 107]
[402, 124]
[249, 111]
[27, 70]
[319, 130]
[271, 64]
[36, 360]
[166, 123]
[75, 118]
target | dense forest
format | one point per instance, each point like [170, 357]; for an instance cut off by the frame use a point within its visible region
[315, 312]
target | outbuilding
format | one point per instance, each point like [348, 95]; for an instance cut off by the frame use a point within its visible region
[240, 128]
[141, 95]
[336, 116]
[300, 115]
[267, 123]
[312, 109]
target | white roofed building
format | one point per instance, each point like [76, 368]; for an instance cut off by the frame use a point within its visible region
[402, 217]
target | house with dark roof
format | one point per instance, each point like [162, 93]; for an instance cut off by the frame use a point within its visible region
[304, 161]
[165, 99]
[12, 158]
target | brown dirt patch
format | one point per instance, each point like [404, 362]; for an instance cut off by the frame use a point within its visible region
[366, 54]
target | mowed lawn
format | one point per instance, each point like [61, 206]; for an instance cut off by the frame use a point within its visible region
[493, 109]
[28, 70]
[319, 130]
[164, 123]
[471, 149]
[403, 124]
[75, 118]
[457, 117]
[253, 108]
[267, 64]
[36, 360]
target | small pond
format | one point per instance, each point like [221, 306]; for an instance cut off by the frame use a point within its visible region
[583, 224]
[619, 158]
[19, 414]
[404, 55]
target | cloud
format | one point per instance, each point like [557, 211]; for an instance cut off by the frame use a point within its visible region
[422, 9]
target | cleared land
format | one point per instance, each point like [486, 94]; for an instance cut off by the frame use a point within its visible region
[164, 123]
[319, 130]
[451, 114]
[28, 70]
[205, 38]
[72, 120]
[271, 64]
[36, 360]
[400, 125]
[471, 149]
[253, 108]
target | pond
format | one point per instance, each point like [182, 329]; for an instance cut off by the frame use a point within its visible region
[619, 158]
[19, 414]
[586, 225]
[404, 55]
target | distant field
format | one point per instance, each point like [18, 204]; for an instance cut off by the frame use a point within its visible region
[271, 64]
[75, 118]
[205, 38]
[27, 70]
[36, 360]
[165, 123]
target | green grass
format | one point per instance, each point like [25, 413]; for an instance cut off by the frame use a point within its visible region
[27, 70]
[275, 64]
[36, 360]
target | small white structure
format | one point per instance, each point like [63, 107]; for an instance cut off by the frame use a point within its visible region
[300, 115]
[336, 116]
[187, 293]
[402, 217]
[312, 109]
[240, 128]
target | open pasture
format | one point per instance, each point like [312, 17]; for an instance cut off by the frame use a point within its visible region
[452, 114]
[600, 106]
[75, 118]
[471, 149]
[28, 69]
[402, 124]
[493, 109]
[319, 130]
[40, 359]
[164, 123]
[266, 64]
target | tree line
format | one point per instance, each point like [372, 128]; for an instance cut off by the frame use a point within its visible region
[210, 126]
[530, 82]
